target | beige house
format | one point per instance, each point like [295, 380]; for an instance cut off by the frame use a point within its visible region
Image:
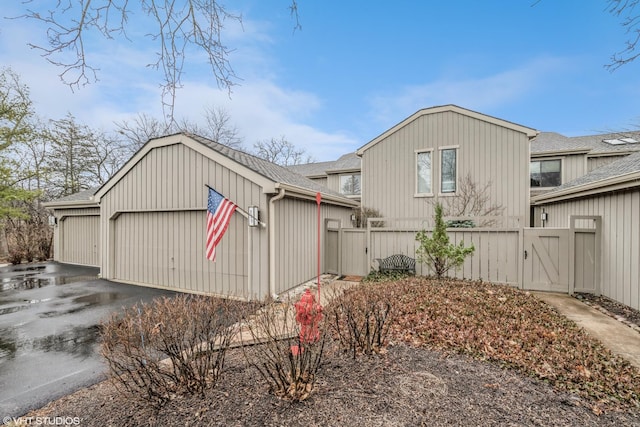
[76, 237]
[581, 197]
[342, 176]
[426, 156]
[148, 221]
[611, 192]
[557, 159]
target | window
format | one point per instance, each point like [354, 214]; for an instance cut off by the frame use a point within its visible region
[545, 173]
[350, 184]
[448, 170]
[423, 168]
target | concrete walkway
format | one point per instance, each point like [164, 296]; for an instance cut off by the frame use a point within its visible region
[615, 335]
[283, 312]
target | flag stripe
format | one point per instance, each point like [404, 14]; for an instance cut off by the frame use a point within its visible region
[219, 212]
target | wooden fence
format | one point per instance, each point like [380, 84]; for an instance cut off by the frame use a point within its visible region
[356, 251]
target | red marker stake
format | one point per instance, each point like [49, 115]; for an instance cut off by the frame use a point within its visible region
[318, 200]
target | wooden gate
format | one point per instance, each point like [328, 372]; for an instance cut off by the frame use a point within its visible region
[586, 244]
[345, 249]
[332, 247]
[563, 259]
[546, 264]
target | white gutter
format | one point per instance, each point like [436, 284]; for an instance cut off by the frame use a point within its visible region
[73, 204]
[272, 241]
[303, 193]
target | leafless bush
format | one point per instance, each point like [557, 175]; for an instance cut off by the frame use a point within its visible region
[170, 346]
[29, 237]
[360, 318]
[285, 358]
[362, 214]
[473, 200]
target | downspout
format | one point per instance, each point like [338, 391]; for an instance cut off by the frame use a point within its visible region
[272, 242]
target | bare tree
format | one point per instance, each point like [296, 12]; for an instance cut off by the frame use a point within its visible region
[177, 27]
[143, 127]
[281, 151]
[472, 200]
[79, 157]
[220, 128]
[106, 156]
[140, 130]
[630, 21]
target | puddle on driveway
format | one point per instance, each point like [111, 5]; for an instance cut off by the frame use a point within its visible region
[26, 277]
[82, 303]
[8, 344]
[77, 341]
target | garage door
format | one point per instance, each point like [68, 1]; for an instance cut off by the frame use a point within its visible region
[79, 240]
[166, 249]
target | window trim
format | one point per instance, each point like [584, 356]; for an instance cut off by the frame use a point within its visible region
[440, 157]
[415, 172]
[350, 174]
[545, 159]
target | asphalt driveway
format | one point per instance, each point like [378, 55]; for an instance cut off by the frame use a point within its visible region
[49, 317]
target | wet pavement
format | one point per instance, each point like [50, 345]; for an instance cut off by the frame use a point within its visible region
[49, 319]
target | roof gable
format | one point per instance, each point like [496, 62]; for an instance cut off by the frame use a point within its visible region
[264, 173]
[447, 108]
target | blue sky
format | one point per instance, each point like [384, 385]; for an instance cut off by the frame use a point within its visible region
[357, 68]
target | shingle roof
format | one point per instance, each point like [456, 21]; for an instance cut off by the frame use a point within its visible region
[312, 169]
[594, 144]
[272, 171]
[80, 196]
[348, 161]
[626, 165]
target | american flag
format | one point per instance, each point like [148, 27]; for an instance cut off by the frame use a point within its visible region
[219, 211]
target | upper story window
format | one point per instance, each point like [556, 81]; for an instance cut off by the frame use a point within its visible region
[545, 173]
[448, 170]
[350, 184]
[423, 172]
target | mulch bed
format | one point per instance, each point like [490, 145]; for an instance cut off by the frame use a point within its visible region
[456, 376]
[621, 312]
[404, 386]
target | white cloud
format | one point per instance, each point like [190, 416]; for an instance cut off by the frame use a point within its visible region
[262, 110]
[480, 93]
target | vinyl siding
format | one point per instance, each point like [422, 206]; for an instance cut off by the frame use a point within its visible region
[153, 226]
[620, 269]
[296, 239]
[488, 152]
[77, 236]
[596, 162]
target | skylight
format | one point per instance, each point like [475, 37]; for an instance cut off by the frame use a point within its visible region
[620, 141]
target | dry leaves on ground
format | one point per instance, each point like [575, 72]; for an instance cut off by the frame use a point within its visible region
[513, 328]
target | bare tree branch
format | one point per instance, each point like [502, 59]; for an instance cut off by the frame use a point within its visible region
[630, 21]
[179, 25]
[472, 200]
[281, 151]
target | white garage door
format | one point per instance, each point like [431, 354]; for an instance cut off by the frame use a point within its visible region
[166, 249]
[79, 240]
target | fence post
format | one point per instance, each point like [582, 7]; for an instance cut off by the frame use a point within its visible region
[572, 254]
[521, 257]
[368, 248]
